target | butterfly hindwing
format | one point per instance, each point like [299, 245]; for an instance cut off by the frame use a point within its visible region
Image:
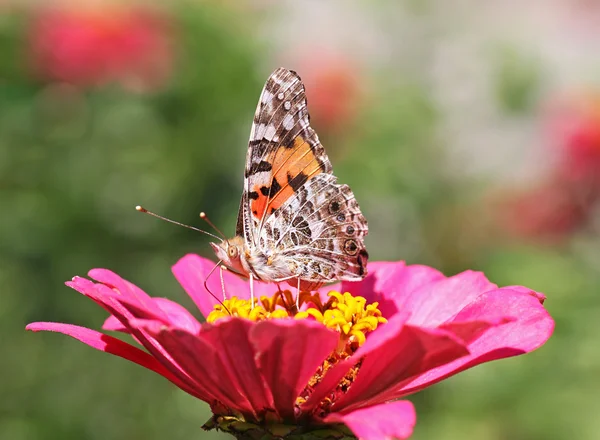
[320, 232]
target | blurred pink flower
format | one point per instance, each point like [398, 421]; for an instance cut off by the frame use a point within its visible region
[130, 45]
[273, 371]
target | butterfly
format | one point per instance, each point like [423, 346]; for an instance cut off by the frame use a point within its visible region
[295, 222]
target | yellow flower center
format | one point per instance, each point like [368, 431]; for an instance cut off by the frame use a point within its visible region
[348, 315]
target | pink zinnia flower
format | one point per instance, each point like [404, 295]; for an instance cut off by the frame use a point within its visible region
[345, 359]
[83, 45]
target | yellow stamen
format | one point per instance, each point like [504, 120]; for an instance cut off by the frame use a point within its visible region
[348, 315]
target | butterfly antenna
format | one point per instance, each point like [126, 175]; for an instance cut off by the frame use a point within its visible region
[204, 217]
[145, 211]
[222, 285]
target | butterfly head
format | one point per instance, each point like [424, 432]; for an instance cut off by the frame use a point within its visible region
[232, 253]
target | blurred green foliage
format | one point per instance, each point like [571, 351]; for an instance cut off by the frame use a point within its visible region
[75, 161]
[517, 79]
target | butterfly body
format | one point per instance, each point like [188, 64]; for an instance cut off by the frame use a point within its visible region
[295, 222]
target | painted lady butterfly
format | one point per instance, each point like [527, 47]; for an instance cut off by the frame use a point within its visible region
[295, 222]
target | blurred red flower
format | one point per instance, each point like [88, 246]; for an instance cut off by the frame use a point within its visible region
[573, 126]
[550, 212]
[344, 359]
[332, 89]
[129, 45]
[564, 199]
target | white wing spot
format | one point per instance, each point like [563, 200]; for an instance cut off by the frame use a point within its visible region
[287, 105]
[266, 96]
[260, 131]
[269, 132]
[280, 96]
[288, 122]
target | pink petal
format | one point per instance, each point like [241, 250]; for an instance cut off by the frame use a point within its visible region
[192, 271]
[111, 345]
[390, 282]
[105, 294]
[439, 301]
[176, 316]
[384, 334]
[392, 355]
[540, 296]
[82, 285]
[129, 292]
[237, 355]
[163, 337]
[394, 420]
[221, 358]
[108, 297]
[470, 331]
[113, 324]
[114, 304]
[411, 352]
[532, 326]
[288, 353]
[135, 300]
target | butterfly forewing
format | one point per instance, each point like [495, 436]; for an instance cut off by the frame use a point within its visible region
[292, 208]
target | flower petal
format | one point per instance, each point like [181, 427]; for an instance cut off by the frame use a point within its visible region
[113, 324]
[394, 420]
[394, 354]
[114, 303]
[139, 303]
[439, 301]
[221, 358]
[176, 315]
[288, 353]
[192, 272]
[470, 331]
[111, 345]
[390, 282]
[237, 355]
[532, 326]
[128, 291]
[410, 352]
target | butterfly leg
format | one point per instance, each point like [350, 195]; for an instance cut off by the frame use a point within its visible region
[298, 296]
[221, 269]
[251, 291]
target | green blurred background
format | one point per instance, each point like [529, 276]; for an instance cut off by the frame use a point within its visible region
[469, 132]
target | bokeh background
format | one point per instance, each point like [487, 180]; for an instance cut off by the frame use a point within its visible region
[469, 132]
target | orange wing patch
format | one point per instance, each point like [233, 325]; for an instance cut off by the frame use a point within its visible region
[292, 166]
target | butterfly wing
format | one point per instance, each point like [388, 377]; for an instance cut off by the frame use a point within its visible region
[283, 153]
[292, 206]
[319, 234]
